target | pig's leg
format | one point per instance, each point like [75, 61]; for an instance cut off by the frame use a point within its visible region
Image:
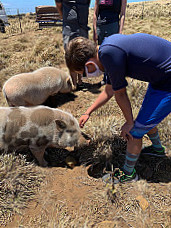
[38, 153]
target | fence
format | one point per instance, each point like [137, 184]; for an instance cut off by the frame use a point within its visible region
[21, 22]
[14, 11]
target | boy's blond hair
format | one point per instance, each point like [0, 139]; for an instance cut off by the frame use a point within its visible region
[78, 52]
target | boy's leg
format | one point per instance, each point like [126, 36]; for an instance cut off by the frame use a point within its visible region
[152, 131]
[156, 106]
[132, 154]
[155, 139]
[127, 173]
[79, 79]
[156, 149]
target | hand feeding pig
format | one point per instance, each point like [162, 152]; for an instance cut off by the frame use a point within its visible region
[30, 89]
[38, 128]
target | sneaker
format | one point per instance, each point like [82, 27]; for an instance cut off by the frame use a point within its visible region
[120, 177]
[80, 86]
[150, 150]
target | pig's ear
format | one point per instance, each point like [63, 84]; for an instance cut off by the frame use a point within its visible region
[61, 125]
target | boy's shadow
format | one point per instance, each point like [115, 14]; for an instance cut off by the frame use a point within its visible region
[152, 169]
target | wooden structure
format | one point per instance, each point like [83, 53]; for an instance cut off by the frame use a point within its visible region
[47, 16]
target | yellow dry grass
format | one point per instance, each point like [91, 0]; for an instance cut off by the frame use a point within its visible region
[19, 178]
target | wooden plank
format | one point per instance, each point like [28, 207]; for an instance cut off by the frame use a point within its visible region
[49, 24]
[46, 9]
[48, 16]
[48, 19]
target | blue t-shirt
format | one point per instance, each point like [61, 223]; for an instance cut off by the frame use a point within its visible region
[141, 56]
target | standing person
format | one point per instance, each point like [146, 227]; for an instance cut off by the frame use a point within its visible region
[108, 19]
[75, 23]
[140, 56]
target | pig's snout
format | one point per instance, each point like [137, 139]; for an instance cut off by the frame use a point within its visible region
[84, 140]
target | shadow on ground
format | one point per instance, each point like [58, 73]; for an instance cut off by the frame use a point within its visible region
[59, 99]
[154, 169]
[96, 157]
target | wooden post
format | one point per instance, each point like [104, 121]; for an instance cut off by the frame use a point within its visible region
[142, 16]
[19, 19]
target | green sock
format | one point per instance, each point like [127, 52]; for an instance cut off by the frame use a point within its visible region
[130, 161]
[156, 143]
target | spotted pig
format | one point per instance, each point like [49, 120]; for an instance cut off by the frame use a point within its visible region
[30, 89]
[38, 128]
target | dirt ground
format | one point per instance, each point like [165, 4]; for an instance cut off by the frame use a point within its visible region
[77, 198]
[63, 187]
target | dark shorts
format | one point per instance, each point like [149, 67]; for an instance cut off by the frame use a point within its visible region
[75, 19]
[107, 30]
[156, 106]
[71, 31]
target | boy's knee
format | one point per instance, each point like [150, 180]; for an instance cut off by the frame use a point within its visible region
[139, 130]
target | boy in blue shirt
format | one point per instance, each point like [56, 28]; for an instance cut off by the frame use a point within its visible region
[140, 56]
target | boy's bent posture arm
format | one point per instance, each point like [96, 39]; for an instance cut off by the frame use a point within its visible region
[124, 104]
[100, 101]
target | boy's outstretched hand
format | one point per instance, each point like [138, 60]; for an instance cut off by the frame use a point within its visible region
[83, 119]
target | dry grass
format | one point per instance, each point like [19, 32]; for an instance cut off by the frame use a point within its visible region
[19, 178]
[19, 181]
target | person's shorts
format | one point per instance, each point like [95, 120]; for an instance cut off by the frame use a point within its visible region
[107, 30]
[156, 106]
[71, 31]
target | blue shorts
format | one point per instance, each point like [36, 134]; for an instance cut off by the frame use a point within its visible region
[156, 106]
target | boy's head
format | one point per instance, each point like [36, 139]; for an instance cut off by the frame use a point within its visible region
[78, 52]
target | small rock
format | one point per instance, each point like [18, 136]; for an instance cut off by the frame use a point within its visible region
[142, 202]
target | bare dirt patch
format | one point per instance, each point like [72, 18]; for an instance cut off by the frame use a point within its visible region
[63, 187]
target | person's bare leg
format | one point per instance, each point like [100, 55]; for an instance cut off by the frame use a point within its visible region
[156, 143]
[134, 146]
[132, 154]
[79, 79]
[74, 79]
[152, 131]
